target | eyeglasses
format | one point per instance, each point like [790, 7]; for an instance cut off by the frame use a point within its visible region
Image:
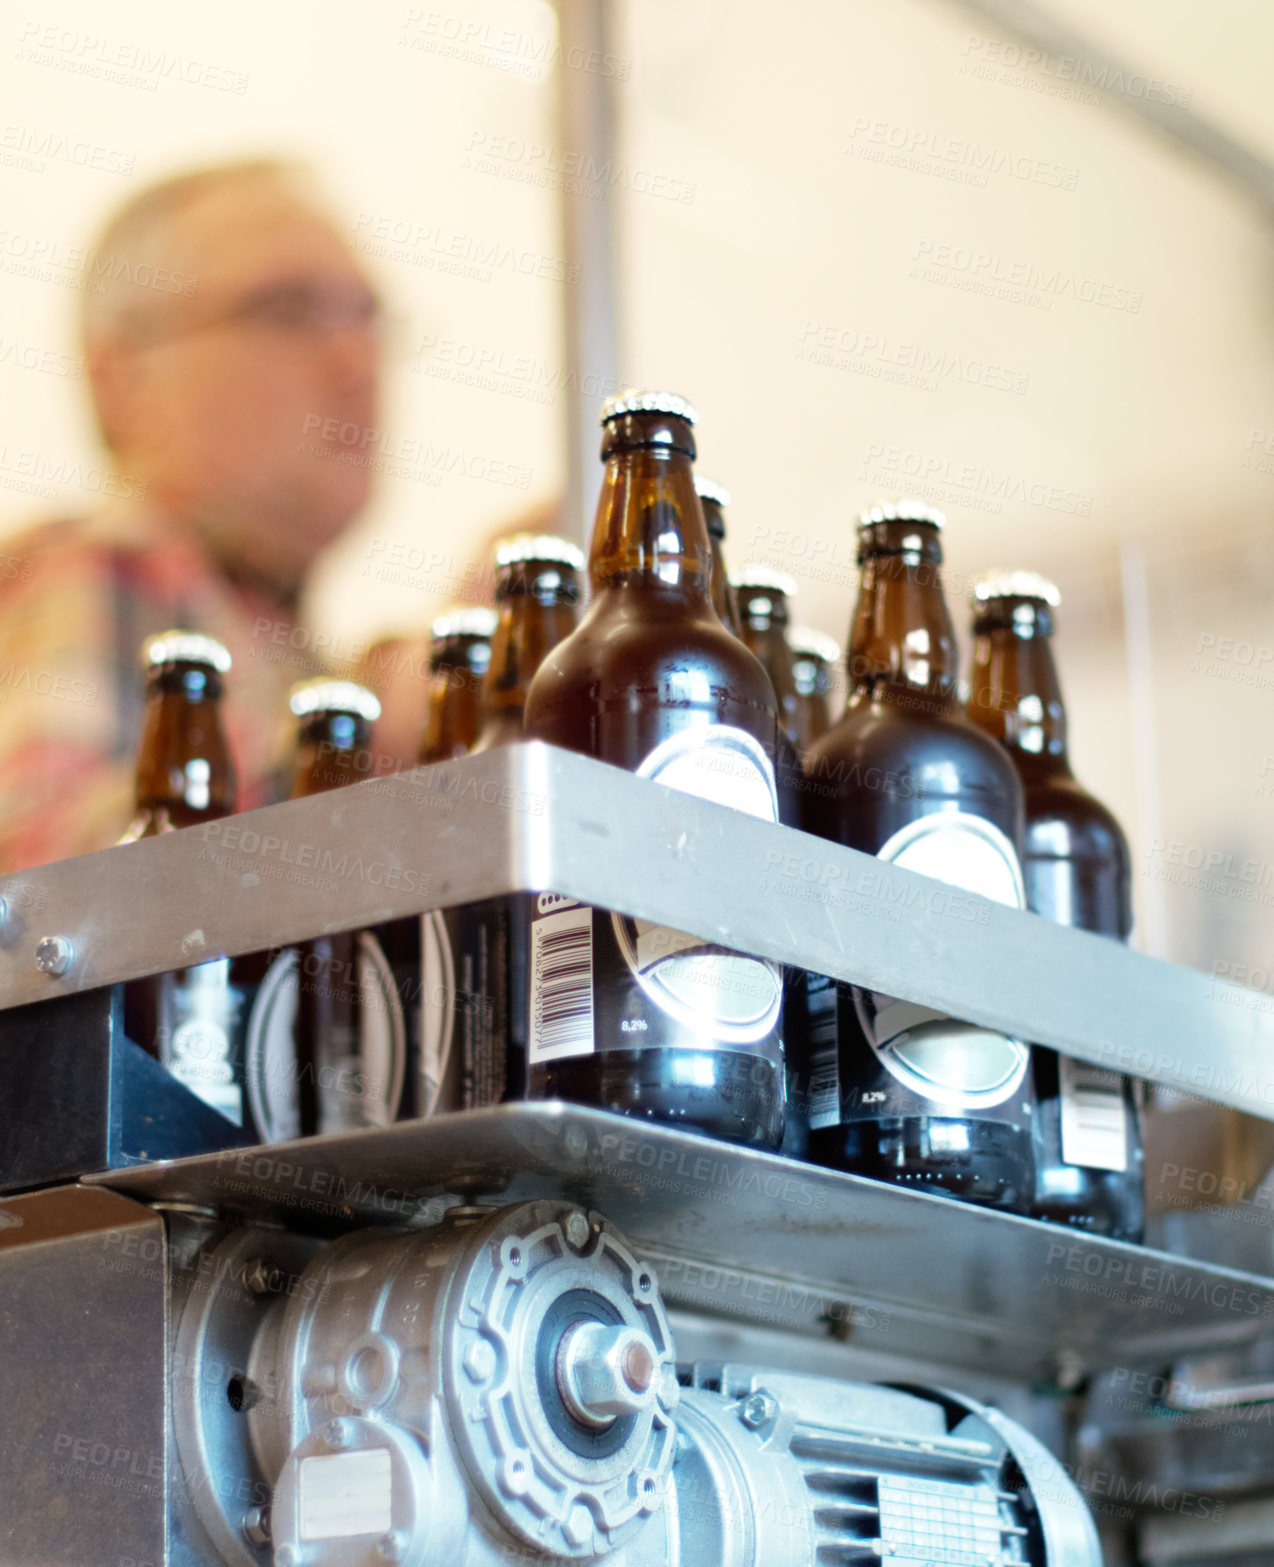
[294, 310]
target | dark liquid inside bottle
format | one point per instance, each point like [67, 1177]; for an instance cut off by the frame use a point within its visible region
[1076, 866]
[458, 661]
[724, 599]
[899, 1091]
[189, 1019]
[812, 672]
[476, 957]
[628, 1016]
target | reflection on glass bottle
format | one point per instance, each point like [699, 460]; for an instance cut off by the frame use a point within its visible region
[814, 658]
[189, 1018]
[327, 1044]
[626, 1014]
[900, 1091]
[714, 498]
[1076, 865]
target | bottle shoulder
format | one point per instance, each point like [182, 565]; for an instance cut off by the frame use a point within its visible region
[888, 734]
[1062, 819]
[883, 766]
[660, 656]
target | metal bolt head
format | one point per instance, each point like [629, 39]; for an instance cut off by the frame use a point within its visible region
[256, 1526]
[604, 1371]
[391, 1547]
[337, 1434]
[578, 1528]
[479, 1360]
[758, 1409]
[53, 955]
[577, 1230]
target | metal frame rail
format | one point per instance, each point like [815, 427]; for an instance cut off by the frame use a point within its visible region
[1008, 1293]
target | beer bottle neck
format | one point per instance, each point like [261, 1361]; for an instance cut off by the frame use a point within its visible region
[902, 642]
[329, 749]
[1016, 695]
[455, 683]
[724, 599]
[650, 534]
[536, 603]
[184, 772]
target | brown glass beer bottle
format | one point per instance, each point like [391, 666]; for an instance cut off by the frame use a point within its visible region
[458, 662]
[763, 596]
[899, 1091]
[628, 1015]
[1075, 861]
[326, 1048]
[475, 958]
[189, 1018]
[714, 498]
[814, 659]
[537, 594]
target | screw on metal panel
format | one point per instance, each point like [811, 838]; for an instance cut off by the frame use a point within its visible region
[337, 1434]
[392, 1547]
[577, 1230]
[256, 1526]
[757, 1410]
[53, 955]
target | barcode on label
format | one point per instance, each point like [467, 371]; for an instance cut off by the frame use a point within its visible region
[562, 985]
[1094, 1130]
[824, 1057]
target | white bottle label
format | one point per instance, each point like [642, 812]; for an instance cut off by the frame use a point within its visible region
[1094, 1124]
[734, 998]
[959, 1065]
[200, 1052]
[354, 1091]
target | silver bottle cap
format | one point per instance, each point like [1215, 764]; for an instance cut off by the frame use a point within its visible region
[322, 695]
[805, 642]
[1016, 585]
[185, 647]
[634, 401]
[474, 621]
[901, 511]
[710, 490]
[758, 575]
[539, 546]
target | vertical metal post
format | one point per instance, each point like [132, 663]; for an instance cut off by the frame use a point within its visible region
[586, 128]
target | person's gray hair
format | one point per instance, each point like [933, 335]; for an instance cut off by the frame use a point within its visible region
[135, 269]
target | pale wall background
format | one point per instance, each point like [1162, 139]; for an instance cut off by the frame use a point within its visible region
[756, 216]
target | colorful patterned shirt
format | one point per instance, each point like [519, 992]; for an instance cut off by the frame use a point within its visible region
[77, 598]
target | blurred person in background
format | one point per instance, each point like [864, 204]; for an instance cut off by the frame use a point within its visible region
[233, 323]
